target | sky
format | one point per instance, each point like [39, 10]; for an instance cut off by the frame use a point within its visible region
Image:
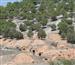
[4, 2]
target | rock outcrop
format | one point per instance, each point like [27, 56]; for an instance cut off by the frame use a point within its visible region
[30, 48]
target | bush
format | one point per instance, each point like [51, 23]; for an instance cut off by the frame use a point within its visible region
[35, 27]
[30, 33]
[63, 35]
[12, 33]
[69, 22]
[8, 30]
[67, 30]
[4, 26]
[63, 27]
[3, 13]
[28, 23]
[23, 27]
[41, 34]
[70, 29]
[53, 26]
[43, 22]
[71, 37]
[62, 62]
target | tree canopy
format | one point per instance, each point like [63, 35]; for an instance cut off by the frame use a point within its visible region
[37, 13]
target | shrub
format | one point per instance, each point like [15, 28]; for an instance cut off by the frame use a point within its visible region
[69, 22]
[43, 21]
[67, 30]
[28, 23]
[53, 26]
[62, 62]
[30, 33]
[71, 37]
[41, 34]
[23, 27]
[63, 26]
[35, 27]
[8, 30]
[4, 26]
[12, 33]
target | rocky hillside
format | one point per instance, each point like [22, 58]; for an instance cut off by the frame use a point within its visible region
[35, 51]
[38, 32]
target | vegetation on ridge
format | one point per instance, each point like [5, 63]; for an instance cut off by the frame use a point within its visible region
[36, 13]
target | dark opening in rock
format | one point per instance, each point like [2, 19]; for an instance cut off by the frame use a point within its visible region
[23, 48]
[18, 48]
[33, 51]
[46, 59]
[40, 54]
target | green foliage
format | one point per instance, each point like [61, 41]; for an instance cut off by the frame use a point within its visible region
[70, 29]
[62, 62]
[63, 26]
[7, 29]
[35, 27]
[43, 22]
[5, 26]
[3, 14]
[27, 5]
[23, 27]
[69, 22]
[71, 37]
[28, 23]
[50, 8]
[12, 33]
[30, 33]
[53, 26]
[41, 34]
[27, 15]
[13, 9]
[27, 10]
[67, 30]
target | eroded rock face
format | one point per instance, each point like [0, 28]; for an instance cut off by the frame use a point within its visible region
[38, 42]
[23, 42]
[39, 48]
[58, 54]
[55, 37]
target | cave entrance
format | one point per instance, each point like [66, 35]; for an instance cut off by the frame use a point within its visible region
[33, 51]
[40, 53]
[46, 59]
